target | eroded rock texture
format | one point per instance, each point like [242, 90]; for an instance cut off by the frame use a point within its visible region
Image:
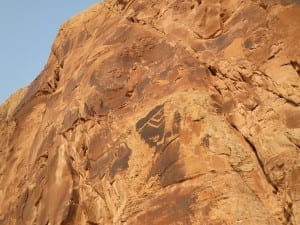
[160, 113]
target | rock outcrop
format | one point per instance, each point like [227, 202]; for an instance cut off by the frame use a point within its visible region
[160, 113]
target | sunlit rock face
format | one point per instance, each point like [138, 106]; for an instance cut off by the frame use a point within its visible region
[160, 113]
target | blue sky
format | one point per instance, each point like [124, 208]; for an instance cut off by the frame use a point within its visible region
[27, 30]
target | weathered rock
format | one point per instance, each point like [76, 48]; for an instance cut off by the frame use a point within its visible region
[160, 112]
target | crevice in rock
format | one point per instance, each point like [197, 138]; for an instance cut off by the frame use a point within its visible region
[212, 70]
[51, 85]
[289, 101]
[260, 162]
[92, 223]
[193, 177]
[293, 142]
[279, 95]
[217, 89]
[168, 144]
[37, 202]
[296, 66]
[76, 123]
[225, 76]
[133, 19]
[129, 4]
[124, 4]
[263, 5]
[23, 202]
[288, 213]
[42, 92]
[272, 56]
[254, 107]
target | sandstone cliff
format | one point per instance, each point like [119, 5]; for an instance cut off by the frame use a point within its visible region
[160, 113]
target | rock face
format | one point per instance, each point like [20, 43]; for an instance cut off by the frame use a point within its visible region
[160, 113]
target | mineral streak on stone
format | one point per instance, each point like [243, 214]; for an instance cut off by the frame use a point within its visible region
[160, 113]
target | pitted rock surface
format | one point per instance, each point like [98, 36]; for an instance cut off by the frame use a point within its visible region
[160, 113]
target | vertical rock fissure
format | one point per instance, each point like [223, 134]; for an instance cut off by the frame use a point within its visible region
[260, 162]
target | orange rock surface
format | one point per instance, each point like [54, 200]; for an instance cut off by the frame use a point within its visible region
[160, 113]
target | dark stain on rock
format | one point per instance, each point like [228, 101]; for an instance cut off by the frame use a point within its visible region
[94, 104]
[98, 143]
[225, 39]
[113, 100]
[142, 85]
[296, 66]
[248, 43]
[91, 223]
[106, 80]
[176, 123]
[207, 209]
[171, 208]
[24, 110]
[69, 119]
[53, 100]
[66, 46]
[69, 88]
[198, 75]
[98, 167]
[151, 128]
[166, 161]
[205, 141]
[287, 2]
[72, 209]
[121, 162]
[108, 77]
[189, 62]
[222, 41]
[82, 37]
[169, 169]
[32, 201]
[23, 198]
[47, 143]
[168, 135]
[121, 35]
[110, 83]
[212, 70]
[228, 106]
[293, 119]
[158, 52]
[165, 73]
